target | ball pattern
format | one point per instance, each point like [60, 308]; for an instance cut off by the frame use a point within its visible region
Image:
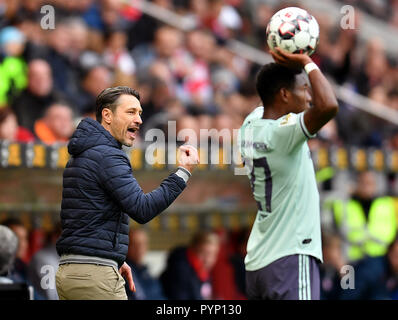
[293, 29]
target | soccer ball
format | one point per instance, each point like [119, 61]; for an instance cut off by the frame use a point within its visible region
[293, 29]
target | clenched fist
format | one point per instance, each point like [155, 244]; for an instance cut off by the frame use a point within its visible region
[188, 157]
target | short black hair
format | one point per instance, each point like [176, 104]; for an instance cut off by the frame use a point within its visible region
[11, 221]
[202, 237]
[271, 78]
[108, 97]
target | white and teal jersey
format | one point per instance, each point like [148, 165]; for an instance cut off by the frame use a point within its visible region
[281, 173]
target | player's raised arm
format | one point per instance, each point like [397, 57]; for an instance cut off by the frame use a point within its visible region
[324, 101]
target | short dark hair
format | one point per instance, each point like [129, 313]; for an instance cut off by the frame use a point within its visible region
[271, 78]
[108, 97]
[5, 112]
[203, 237]
[11, 221]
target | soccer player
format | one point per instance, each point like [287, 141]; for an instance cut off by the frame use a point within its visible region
[284, 247]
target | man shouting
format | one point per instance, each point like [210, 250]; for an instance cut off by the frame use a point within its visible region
[100, 194]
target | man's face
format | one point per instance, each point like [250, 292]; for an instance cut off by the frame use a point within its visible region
[126, 120]
[97, 80]
[301, 94]
[40, 78]
[367, 185]
[60, 120]
[208, 253]
[22, 235]
[9, 128]
[167, 42]
[138, 246]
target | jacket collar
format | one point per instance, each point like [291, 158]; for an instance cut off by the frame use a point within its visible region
[105, 132]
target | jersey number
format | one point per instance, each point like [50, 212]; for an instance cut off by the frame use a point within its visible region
[262, 163]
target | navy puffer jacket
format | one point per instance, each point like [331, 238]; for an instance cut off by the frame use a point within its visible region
[100, 193]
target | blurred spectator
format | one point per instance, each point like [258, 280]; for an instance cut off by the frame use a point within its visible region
[376, 278]
[66, 45]
[393, 99]
[79, 39]
[9, 129]
[366, 222]
[224, 125]
[187, 274]
[157, 100]
[19, 273]
[147, 287]
[142, 30]
[188, 130]
[374, 67]
[228, 61]
[235, 106]
[29, 9]
[30, 105]
[329, 133]
[116, 55]
[12, 65]
[111, 15]
[228, 275]
[172, 110]
[167, 48]
[44, 263]
[222, 19]
[261, 17]
[238, 260]
[336, 53]
[329, 270]
[393, 140]
[95, 79]
[90, 12]
[393, 12]
[379, 94]
[197, 90]
[8, 251]
[56, 125]
[35, 46]
[59, 43]
[197, 11]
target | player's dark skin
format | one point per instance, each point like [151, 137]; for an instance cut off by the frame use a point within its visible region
[324, 102]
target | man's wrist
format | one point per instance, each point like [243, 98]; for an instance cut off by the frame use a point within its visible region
[310, 67]
[306, 60]
[183, 173]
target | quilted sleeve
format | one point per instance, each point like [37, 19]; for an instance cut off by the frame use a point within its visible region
[117, 178]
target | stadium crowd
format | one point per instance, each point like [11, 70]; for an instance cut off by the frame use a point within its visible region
[209, 267]
[49, 80]
[187, 76]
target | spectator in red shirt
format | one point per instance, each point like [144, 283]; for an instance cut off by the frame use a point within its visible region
[188, 271]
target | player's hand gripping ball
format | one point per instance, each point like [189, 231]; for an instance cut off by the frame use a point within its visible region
[294, 30]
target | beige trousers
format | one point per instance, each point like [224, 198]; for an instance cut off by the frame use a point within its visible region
[78, 281]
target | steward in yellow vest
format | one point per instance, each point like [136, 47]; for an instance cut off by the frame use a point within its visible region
[13, 78]
[367, 224]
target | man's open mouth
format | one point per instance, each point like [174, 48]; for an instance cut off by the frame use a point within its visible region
[132, 130]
